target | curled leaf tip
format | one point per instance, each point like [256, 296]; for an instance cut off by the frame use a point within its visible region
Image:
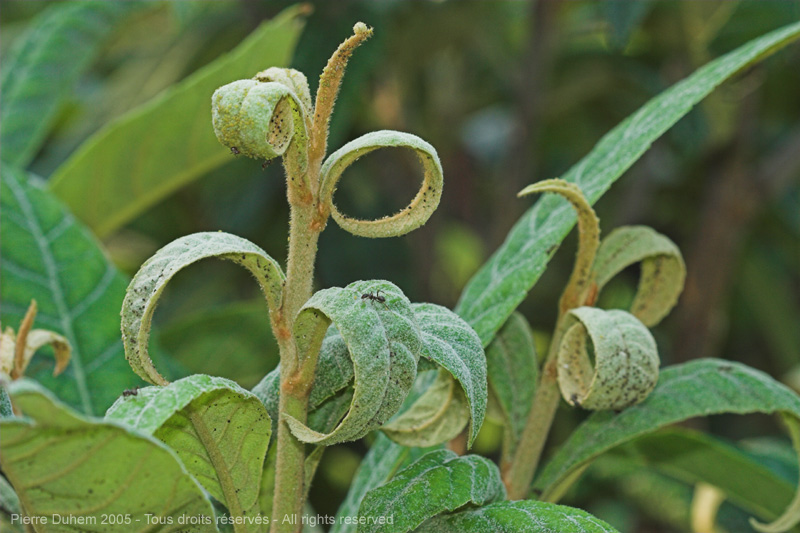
[625, 369]
[362, 29]
[418, 211]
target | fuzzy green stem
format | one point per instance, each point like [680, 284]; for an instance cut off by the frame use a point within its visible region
[297, 370]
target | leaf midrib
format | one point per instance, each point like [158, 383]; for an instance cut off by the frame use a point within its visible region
[57, 292]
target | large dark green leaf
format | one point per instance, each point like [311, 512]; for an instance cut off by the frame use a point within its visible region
[438, 482]
[502, 283]
[66, 465]
[698, 388]
[169, 139]
[514, 517]
[43, 67]
[380, 464]
[48, 256]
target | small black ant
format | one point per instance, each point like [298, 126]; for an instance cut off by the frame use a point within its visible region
[130, 392]
[376, 297]
[266, 163]
[235, 151]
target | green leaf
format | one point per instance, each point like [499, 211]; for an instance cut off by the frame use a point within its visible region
[383, 342]
[264, 119]
[663, 270]
[692, 457]
[380, 464]
[47, 256]
[513, 370]
[411, 217]
[502, 283]
[149, 282]
[449, 342]
[9, 501]
[440, 414]
[438, 482]
[63, 464]
[625, 359]
[513, 517]
[219, 430]
[43, 67]
[334, 372]
[169, 137]
[698, 388]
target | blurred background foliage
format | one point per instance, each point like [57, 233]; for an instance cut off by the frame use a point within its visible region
[509, 93]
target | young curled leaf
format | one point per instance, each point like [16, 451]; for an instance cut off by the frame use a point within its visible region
[663, 270]
[293, 79]
[452, 346]
[579, 286]
[263, 120]
[147, 285]
[437, 416]
[412, 216]
[625, 360]
[219, 430]
[438, 482]
[383, 342]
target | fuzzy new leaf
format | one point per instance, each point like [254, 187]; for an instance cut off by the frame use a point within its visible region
[663, 270]
[412, 216]
[383, 342]
[625, 360]
[149, 282]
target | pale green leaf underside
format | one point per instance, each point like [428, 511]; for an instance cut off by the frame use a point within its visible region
[662, 269]
[380, 464]
[218, 429]
[261, 120]
[383, 342]
[503, 282]
[692, 457]
[698, 388]
[63, 464]
[440, 414]
[46, 255]
[513, 371]
[438, 482]
[411, 217]
[514, 517]
[624, 366]
[43, 67]
[169, 138]
[149, 282]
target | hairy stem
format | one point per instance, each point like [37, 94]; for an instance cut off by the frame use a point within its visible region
[306, 223]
